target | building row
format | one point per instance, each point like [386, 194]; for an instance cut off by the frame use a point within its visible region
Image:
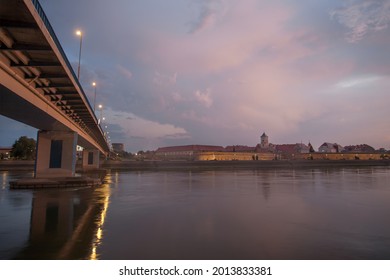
[268, 151]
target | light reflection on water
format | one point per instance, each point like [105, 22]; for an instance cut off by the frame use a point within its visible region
[4, 180]
[336, 213]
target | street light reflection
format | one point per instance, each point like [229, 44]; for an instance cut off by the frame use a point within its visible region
[106, 192]
[5, 181]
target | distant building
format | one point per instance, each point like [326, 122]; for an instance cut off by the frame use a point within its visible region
[330, 148]
[118, 147]
[362, 148]
[264, 146]
[268, 151]
[264, 141]
[284, 150]
[185, 152]
[5, 152]
[239, 148]
[298, 148]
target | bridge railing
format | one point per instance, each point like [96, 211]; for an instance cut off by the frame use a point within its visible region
[45, 20]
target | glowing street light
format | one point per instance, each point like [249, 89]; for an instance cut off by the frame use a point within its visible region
[94, 97]
[80, 34]
[101, 113]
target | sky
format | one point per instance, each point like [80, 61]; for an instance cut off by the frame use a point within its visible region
[222, 72]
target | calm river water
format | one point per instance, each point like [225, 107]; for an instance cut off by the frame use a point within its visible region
[340, 213]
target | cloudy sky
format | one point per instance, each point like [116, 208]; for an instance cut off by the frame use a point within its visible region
[222, 72]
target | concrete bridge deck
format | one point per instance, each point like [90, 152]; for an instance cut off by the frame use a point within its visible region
[38, 87]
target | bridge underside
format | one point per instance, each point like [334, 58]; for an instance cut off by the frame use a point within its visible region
[56, 145]
[38, 87]
[17, 108]
[31, 56]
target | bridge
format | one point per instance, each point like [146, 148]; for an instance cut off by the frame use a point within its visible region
[38, 87]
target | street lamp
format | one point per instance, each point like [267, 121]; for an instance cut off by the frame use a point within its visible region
[101, 113]
[94, 97]
[80, 34]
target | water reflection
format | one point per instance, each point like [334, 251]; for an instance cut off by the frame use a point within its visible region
[100, 222]
[335, 213]
[4, 180]
[261, 214]
[66, 224]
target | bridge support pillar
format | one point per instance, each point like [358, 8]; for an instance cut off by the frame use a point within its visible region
[90, 159]
[56, 154]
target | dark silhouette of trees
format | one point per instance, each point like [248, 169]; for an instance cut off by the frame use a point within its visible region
[311, 149]
[24, 148]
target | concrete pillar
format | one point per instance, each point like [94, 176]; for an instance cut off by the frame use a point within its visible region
[90, 159]
[56, 154]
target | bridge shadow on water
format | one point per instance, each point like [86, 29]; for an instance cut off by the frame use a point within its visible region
[66, 223]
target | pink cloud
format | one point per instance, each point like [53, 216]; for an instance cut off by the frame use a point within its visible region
[204, 97]
[136, 126]
[242, 30]
[164, 79]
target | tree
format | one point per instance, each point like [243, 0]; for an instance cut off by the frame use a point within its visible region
[311, 149]
[24, 148]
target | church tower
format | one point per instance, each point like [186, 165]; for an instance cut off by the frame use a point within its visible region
[264, 141]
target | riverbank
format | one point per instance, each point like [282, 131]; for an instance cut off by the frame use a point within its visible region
[22, 165]
[209, 165]
[216, 165]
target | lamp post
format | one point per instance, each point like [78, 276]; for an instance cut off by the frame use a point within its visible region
[101, 113]
[80, 34]
[94, 97]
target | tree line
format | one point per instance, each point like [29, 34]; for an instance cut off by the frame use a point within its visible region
[23, 148]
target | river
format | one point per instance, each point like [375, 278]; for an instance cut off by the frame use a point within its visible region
[310, 214]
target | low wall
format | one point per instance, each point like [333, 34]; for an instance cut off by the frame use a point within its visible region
[341, 156]
[271, 156]
[234, 156]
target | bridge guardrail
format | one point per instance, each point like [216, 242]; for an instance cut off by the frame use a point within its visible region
[45, 20]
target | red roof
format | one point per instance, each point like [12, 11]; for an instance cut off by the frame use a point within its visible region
[292, 148]
[286, 148]
[198, 148]
[239, 148]
[359, 148]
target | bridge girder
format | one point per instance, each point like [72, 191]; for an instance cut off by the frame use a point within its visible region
[36, 73]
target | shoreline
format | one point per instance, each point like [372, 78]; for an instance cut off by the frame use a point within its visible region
[154, 165]
[239, 165]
